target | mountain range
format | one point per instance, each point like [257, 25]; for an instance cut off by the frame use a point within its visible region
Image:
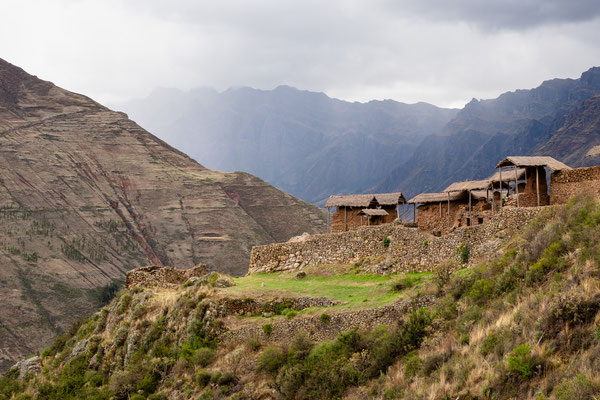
[86, 194]
[303, 142]
[312, 146]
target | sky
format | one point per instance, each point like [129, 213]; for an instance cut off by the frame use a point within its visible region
[438, 51]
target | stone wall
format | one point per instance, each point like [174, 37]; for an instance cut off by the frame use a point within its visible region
[429, 218]
[567, 183]
[353, 221]
[318, 330]
[409, 248]
[158, 276]
[528, 193]
[346, 219]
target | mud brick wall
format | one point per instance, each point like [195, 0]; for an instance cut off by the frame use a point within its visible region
[528, 193]
[158, 276]
[352, 219]
[409, 250]
[567, 183]
[429, 219]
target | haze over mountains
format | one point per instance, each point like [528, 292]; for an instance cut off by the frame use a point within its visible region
[302, 142]
[86, 195]
[312, 146]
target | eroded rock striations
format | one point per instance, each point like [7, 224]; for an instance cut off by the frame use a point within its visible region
[86, 195]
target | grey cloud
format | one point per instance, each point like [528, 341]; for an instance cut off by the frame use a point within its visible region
[443, 52]
[503, 14]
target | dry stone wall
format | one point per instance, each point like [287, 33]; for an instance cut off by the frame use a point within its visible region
[565, 184]
[409, 249]
[319, 330]
[158, 276]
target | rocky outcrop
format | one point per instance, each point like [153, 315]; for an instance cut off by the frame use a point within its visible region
[408, 249]
[165, 277]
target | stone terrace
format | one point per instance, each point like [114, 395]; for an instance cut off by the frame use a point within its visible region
[409, 249]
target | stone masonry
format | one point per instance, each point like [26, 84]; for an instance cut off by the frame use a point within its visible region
[158, 276]
[565, 184]
[409, 249]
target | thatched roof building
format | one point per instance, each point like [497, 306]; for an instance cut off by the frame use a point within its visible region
[379, 208]
[365, 200]
[532, 161]
[426, 198]
[373, 212]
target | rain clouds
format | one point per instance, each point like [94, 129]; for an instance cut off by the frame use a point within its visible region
[437, 51]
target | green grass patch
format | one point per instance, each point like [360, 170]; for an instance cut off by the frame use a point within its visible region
[355, 290]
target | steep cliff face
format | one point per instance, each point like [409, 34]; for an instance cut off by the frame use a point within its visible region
[86, 194]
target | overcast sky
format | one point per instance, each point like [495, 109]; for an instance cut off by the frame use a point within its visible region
[442, 52]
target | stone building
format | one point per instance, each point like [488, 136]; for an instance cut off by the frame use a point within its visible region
[355, 210]
[534, 192]
[566, 183]
[438, 212]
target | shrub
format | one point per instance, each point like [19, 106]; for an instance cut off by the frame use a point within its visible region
[271, 359]
[579, 388]
[198, 337]
[204, 356]
[254, 344]
[443, 273]
[405, 282]
[227, 379]
[463, 253]
[519, 362]
[412, 365]
[291, 314]
[481, 290]
[267, 329]
[203, 378]
[386, 241]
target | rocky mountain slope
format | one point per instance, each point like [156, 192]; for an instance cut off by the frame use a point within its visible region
[523, 122]
[522, 324]
[577, 136]
[312, 146]
[303, 142]
[86, 194]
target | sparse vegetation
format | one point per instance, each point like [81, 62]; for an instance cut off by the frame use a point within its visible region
[386, 241]
[521, 325]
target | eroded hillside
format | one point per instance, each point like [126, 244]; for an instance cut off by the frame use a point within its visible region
[86, 195]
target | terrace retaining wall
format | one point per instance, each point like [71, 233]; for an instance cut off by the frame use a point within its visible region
[409, 249]
[565, 184]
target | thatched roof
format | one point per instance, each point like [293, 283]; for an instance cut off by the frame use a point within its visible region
[425, 198]
[352, 200]
[593, 152]
[508, 176]
[389, 199]
[468, 185]
[529, 161]
[365, 200]
[374, 211]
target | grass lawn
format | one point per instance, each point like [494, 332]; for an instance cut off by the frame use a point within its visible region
[355, 290]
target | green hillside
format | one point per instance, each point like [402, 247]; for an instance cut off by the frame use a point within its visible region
[524, 325]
